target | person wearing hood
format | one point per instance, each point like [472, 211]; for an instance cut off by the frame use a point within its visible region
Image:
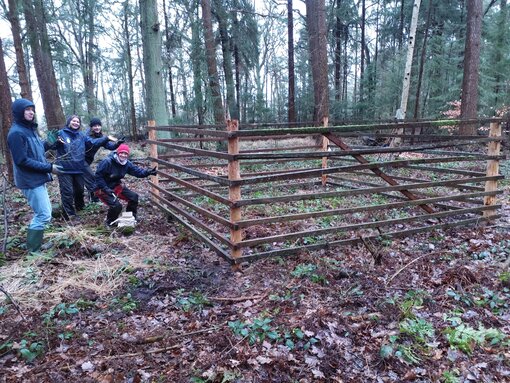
[95, 132]
[109, 187]
[70, 146]
[31, 169]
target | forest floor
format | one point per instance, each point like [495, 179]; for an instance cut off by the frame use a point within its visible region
[157, 306]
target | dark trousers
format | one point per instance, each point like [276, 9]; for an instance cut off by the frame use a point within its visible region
[71, 193]
[90, 182]
[120, 192]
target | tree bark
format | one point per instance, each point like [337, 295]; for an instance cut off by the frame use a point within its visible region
[24, 81]
[469, 105]
[316, 25]
[290, 49]
[39, 43]
[168, 46]
[225, 39]
[153, 65]
[5, 112]
[210, 51]
[196, 59]
[129, 65]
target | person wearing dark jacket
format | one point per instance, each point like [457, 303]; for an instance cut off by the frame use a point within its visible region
[70, 146]
[94, 132]
[109, 187]
[31, 169]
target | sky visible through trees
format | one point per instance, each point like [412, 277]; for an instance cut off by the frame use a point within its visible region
[97, 52]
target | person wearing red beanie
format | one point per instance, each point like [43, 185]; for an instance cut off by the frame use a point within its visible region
[109, 187]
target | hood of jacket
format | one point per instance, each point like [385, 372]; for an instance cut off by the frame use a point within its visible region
[18, 112]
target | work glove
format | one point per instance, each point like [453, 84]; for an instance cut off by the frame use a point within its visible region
[153, 171]
[57, 169]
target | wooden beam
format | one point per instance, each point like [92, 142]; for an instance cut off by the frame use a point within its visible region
[234, 191]
[390, 180]
[494, 149]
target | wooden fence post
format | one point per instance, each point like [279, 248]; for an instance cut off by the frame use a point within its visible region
[153, 152]
[494, 148]
[234, 192]
[325, 146]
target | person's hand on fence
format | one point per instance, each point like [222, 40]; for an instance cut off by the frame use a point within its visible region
[57, 169]
[153, 171]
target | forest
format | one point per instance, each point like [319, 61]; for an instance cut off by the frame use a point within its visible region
[196, 62]
[156, 303]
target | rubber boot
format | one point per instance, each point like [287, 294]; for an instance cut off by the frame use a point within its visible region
[34, 240]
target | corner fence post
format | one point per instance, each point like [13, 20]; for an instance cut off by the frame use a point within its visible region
[234, 192]
[153, 152]
[325, 147]
[494, 149]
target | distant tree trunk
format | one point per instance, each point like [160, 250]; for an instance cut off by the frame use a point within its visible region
[221, 16]
[316, 24]
[362, 58]
[153, 65]
[400, 33]
[24, 82]
[292, 79]
[237, 60]
[210, 51]
[469, 105]
[422, 65]
[38, 38]
[168, 46]
[88, 66]
[409, 61]
[5, 112]
[129, 66]
[338, 52]
[196, 60]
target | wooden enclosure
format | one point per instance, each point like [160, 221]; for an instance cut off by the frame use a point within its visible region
[271, 190]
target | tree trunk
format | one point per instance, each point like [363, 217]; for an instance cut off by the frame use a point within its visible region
[88, 66]
[237, 60]
[168, 46]
[210, 51]
[24, 82]
[129, 66]
[316, 24]
[153, 65]
[409, 61]
[469, 97]
[196, 59]
[39, 44]
[5, 112]
[422, 65]
[221, 16]
[362, 58]
[292, 81]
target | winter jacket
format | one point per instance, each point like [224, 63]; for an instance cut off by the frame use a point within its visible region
[71, 153]
[91, 150]
[31, 169]
[110, 172]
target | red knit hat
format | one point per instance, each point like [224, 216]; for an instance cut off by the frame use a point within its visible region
[123, 148]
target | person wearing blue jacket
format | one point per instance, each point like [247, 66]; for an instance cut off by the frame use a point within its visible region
[109, 187]
[31, 169]
[70, 146]
[95, 132]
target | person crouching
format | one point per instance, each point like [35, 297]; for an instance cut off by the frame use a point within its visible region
[109, 188]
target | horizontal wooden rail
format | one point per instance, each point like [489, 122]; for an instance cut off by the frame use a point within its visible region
[202, 152]
[360, 209]
[325, 245]
[222, 253]
[365, 225]
[220, 237]
[353, 193]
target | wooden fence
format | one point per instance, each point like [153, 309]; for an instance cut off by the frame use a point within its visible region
[271, 190]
